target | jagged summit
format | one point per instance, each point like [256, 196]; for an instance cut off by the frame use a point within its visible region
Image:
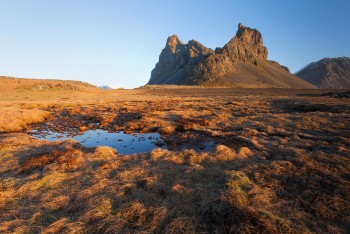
[246, 45]
[242, 62]
[173, 42]
[175, 59]
[176, 38]
[328, 73]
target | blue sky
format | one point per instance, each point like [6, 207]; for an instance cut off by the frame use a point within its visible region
[118, 42]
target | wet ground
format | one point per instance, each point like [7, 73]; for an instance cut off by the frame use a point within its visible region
[178, 123]
[124, 143]
[127, 143]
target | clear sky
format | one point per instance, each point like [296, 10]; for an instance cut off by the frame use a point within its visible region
[118, 42]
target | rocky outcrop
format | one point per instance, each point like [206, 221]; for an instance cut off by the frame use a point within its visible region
[242, 62]
[177, 59]
[328, 73]
[246, 46]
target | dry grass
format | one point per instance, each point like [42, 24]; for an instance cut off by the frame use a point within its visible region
[224, 153]
[276, 167]
[14, 119]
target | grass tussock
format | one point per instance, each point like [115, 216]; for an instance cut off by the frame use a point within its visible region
[166, 129]
[224, 153]
[66, 160]
[245, 152]
[238, 187]
[105, 152]
[14, 119]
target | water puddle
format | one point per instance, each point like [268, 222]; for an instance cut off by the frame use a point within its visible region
[128, 143]
[124, 143]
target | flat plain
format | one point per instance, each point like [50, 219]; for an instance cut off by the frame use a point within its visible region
[281, 161]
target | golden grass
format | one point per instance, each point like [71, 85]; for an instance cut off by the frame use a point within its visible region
[224, 153]
[14, 119]
[166, 129]
[105, 152]
[274, 169]
[162, 191]
[238, 187]
[245, 152]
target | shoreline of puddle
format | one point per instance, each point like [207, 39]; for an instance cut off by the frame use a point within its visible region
[126, 143]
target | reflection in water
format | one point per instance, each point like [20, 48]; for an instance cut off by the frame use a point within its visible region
[129, 143]
[124, 143]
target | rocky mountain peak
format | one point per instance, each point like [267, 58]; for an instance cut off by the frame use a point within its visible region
[245, 32]
[174, 42]
[247, 45]
[243, 60]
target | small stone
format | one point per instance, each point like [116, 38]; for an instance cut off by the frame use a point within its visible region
[159, 143]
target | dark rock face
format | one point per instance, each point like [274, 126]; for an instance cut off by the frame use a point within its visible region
[328, 73]
[242, 62]
[177, 59]
[246, 46]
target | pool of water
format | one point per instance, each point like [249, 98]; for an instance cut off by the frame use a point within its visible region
[124, 143]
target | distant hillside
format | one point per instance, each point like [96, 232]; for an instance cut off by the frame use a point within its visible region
[12, 83]
[242, 62]
[105, 87]
[110, 87]
[328, 73]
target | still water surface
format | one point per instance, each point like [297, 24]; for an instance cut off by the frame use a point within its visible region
[124, 143]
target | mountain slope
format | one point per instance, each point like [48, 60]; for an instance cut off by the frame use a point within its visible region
[242, 62]
[328, 73]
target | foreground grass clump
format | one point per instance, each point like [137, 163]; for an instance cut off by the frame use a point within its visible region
[238, 187]
[14, 119]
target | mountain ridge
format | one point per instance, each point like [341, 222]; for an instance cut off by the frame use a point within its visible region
[327, 73]
[242, 62]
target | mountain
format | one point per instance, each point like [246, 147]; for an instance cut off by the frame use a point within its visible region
[105, 87]
[328, 73]
[242, 62]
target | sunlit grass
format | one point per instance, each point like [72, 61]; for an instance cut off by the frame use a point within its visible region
[273, 169]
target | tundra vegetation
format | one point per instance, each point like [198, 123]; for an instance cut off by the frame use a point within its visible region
[281, 162]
